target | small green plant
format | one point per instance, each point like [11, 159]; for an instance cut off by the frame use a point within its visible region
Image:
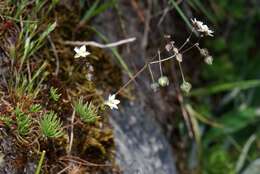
[35, 108]
[23, 121]
[51, 126]
[87, 111]
[54, 94]
[6, 120]
[22, 85]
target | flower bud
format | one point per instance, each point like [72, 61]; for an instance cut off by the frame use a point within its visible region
[186, 86]
[208, 60]
[179, 57]
[163, 81]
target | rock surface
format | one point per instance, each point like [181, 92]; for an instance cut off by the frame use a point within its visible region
[141, 147]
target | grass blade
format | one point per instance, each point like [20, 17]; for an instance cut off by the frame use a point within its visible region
[243, 155]
[203, 9]
[95, 9]
[186, 20]
[213, 89]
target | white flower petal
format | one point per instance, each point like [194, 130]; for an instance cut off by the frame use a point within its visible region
[76, 49]
[116, 101]
[112, 102]
[114, 106]
[202, 28]
[81, 52]
[112, 97]
[85, 54]
[83, 48]
[76, 56]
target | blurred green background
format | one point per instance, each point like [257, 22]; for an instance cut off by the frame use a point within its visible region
[231, 95]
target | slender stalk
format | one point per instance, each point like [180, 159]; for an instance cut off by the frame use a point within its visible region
[71, 133]
[38, 170]
[133, 78]
[187, 40]
[168, 58]
[151, 72]
[148, 64]
[160, 63]
[182, 75]
[95, 44]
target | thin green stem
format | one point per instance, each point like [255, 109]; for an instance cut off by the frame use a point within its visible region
[133, 78]
[160, 63]
[38, 170]
[151, 72]
[168, 58]
[187, 40]
[182, 74]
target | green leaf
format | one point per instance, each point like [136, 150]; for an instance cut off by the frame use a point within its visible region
[35, 108]
[204, 10]
[186, 20]
[54, 95]
[232, 122]
[242, 158]
[96, 9]
[213, 89]
[23, 121]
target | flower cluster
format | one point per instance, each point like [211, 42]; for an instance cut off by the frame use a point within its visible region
[208, 59]
[177, 53]
[202, 28]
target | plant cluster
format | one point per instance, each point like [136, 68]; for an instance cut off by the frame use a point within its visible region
[87, 111]
[54, 94]
[23, 121]
[30, 112]
[51, 126]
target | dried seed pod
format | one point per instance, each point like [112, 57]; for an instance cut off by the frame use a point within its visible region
[204, 52]
[168, 47]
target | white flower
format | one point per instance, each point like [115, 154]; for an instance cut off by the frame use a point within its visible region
[200, 27]
[81, 52]
[112, 102]
[163, 81]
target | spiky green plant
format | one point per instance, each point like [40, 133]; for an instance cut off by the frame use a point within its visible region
[35, 108]
[23, 121]
[22, 85]
[54, 94]
[86, 111]
[6, 120]
[51, 125]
